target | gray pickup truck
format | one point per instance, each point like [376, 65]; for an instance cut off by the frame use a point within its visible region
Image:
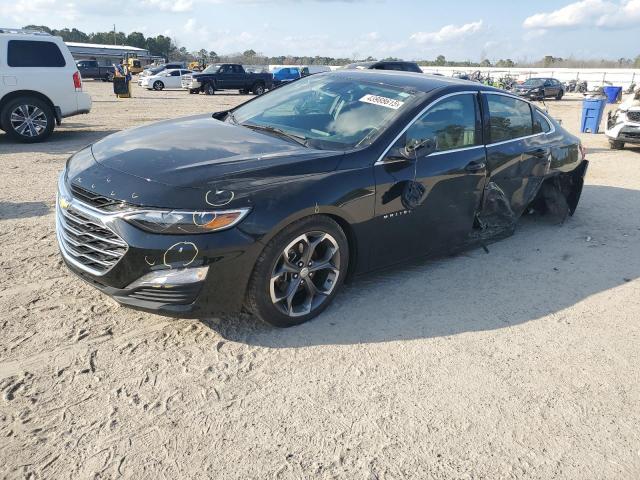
[227, 76]
[92, 69]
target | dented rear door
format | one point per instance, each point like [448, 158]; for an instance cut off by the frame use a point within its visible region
[517, 157]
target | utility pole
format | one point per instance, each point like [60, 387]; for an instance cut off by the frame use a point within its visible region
[114, 33]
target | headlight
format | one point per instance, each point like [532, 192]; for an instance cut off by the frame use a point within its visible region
[185, 222]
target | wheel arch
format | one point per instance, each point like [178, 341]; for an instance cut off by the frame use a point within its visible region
[334, 213]
[26, 93]
[30, 93]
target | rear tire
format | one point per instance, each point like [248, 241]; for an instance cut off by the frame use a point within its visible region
[209, 89]
[158, 85]
[616, 145]
[27, 119]
[258, 89]
[299, 272]
[109, 77]
[560, 95]
[194, 91]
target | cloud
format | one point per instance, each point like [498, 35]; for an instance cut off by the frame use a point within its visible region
[588, 13]
[448, 33]
[177, 6]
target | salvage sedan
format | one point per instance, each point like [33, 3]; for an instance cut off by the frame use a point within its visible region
[271, 206]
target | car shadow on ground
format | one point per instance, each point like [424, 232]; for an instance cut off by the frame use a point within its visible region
[62, 140]
[541, 270]
[12, 210]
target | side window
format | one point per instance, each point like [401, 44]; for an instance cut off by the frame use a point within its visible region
[451, 123]
[30, 53]
[540, 124]
[175, 73]
[509, 118]
[237, 69]
[225, 69]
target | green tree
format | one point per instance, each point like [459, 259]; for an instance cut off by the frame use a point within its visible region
[441, 60]
[136, 39]
[39, 28]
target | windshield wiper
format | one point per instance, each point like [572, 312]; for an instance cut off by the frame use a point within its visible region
[267, 128]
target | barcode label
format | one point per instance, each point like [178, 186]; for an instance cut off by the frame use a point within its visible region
[382, 101]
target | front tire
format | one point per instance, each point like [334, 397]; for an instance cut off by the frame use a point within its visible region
[158, 85]
[559, 95]
[616, 145]
[27, 119]
[209, 89]
[194, 91]
[299, 272]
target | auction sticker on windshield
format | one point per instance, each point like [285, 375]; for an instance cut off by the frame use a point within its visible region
[382, 101]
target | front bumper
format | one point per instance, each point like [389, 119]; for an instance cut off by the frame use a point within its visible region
[229, 256]
[529, 94]
[626, 132]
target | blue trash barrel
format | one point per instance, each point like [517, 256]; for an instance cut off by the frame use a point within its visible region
[592, 110]
[612, 93]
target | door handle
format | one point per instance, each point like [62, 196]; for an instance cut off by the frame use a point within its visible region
[475, 166]
[539, 152]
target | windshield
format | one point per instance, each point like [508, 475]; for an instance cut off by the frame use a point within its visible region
[211, 69]
[533, 82]
[329, 112]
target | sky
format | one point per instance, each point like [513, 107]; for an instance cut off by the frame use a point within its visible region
[409, 29]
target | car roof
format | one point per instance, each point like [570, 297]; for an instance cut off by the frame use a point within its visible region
[418, 81]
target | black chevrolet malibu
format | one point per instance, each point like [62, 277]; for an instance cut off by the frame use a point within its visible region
[271, 206]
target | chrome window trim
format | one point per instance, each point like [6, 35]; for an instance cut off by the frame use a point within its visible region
[380, 160]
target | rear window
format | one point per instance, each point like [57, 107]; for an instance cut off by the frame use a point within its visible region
[509, 118]
[32, 53]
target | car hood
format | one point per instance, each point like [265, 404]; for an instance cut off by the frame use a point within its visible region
[194, 155]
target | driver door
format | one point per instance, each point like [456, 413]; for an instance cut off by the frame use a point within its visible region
[426, 201]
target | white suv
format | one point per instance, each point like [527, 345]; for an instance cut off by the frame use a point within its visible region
[39, 84]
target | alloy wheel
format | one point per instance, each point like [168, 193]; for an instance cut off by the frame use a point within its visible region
[305, 273]
[28, 120]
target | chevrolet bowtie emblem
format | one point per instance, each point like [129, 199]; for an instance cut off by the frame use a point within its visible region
[64, 203]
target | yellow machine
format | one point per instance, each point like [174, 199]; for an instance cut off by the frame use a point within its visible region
[197, 66]
[134, 65]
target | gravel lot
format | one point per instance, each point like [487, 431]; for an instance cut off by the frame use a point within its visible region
[520, 363]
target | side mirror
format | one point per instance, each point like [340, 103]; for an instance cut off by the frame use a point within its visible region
[412, 151]
[423, 148]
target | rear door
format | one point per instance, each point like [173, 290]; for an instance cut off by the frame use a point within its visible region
[518, 155]
[427, 204]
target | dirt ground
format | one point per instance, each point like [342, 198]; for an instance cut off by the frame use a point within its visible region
[520, 363]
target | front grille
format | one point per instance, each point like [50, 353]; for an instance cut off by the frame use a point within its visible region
[89, 245]
[634, 116]
[633, 134]
[95, 200]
